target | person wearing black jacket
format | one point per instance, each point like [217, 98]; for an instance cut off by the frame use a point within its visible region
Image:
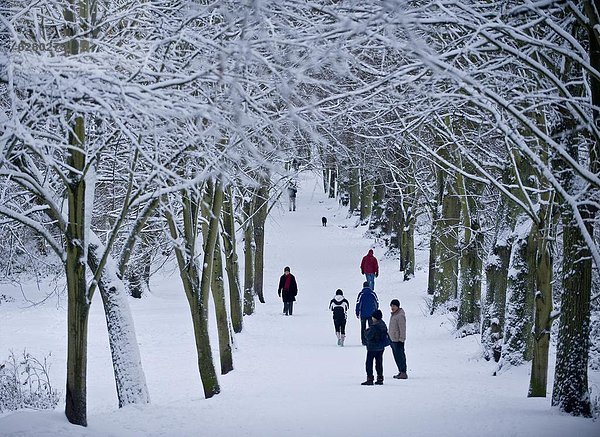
[287, 291]
[377, 340]
[339, 305]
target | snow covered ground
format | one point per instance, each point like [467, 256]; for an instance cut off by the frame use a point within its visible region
[290, 377]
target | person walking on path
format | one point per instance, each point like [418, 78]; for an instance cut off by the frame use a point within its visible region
[339, 305]
[397, 331]
[292, 190]
[366, 303]
[370, 268]
[377, 340]
[287, 291]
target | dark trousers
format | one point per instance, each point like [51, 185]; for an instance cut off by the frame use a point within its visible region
[399, 355]
[287, 308]
[378, 357]
[363, 328]
[340, 325]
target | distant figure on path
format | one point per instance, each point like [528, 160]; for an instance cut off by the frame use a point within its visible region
[366, 303]
[324, 221]
[377, 340]
[292, 190]
[397, 331]
[370, 268]
[287, 291]
[339, 305]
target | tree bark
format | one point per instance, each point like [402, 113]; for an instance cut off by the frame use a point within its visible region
[354, 186]
[447, 253]
[518, 345]
[471, 261]
[496, 271]
[217, 285]
[407, 232]
[231, 262]
[261, 203]
[218, 294]
[195, 284]
[332, 181]
[570, 392]
[77, 291]
[542, 320]
[248, 211]
[379, 199]
[366, 199]
[127, 364]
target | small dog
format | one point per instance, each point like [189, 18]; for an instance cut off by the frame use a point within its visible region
[324, 221]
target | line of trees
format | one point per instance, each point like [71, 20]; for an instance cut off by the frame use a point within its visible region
[160, 130]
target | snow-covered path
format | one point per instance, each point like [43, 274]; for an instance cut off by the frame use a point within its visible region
[290, 378]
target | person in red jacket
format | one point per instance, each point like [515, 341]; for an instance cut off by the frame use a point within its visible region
[370, 268]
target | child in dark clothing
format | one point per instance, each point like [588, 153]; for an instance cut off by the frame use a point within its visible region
[377, 340]
[339, 305]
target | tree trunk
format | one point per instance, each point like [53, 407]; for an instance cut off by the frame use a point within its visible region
[231, 262]
[379, 200]
[138, 275]
[471, 262]
[447, 254]
[407, 234]
[431, 272]
[79, 300]
[471, 266]
[260, 217]
[332, 182]
[217, 285]
[209, 377]
[354, 186]
[218, 294]
[366, 199]
[77, 291]
[518, 345]
[497, 279]
[570, 392]
[542, 320]
[196, 285]
[127, 364]
[249, 246]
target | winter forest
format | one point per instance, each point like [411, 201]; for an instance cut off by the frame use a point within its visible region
[149, 145]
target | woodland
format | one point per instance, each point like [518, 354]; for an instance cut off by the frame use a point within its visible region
[135, 132]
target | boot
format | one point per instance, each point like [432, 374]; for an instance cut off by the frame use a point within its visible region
[369, 381]
[401, 375]
[342, 340]
[379, 380]
[339, 337]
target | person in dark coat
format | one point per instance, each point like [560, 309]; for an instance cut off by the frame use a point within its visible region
[377, 340]
[287, 291]
[366, 303]
[339, 305]
[370, 268]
